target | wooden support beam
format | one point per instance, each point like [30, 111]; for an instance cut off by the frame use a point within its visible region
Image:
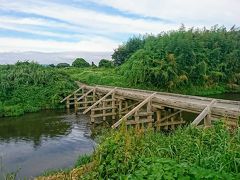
[134, 110]
[169, 116]
[132, 105]
[84, 95]
[204, 113]
[96, 103]
[71, 94]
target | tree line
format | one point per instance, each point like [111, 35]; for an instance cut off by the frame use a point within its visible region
[82, 63]
[181, 58]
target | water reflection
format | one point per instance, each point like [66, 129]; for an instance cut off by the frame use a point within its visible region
[45, 140]
[33, 127]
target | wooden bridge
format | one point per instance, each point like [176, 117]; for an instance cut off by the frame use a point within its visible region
[141, 108]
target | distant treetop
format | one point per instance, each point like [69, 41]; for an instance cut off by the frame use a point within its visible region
[80, 62]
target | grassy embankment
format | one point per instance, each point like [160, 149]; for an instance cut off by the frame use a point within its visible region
[116, 77]
[187, 153]
[30, 87]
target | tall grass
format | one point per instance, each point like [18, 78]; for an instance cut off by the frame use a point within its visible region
[188, 153]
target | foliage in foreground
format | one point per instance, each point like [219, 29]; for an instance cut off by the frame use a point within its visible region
[187, 153]
[29, 87]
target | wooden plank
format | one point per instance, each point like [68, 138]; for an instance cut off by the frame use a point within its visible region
[103, 108]
[133, 110]
[96, 103]
[71, 94]
[84, 95]
[204, 113]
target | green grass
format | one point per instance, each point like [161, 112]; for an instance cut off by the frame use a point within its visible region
[114, 77]
[187, 153]
[82, 160]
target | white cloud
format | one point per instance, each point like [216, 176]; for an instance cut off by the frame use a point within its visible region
[205, 12]
[90, 45]
[88, 18]
[93, 30]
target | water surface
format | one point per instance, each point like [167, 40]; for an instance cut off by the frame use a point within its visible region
[45, 140]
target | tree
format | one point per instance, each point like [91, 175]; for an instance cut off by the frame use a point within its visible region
[63, 65]
[105, 63]
[123, 52]
[81, 63]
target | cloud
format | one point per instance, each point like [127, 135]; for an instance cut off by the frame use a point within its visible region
[69, 26]
[93, 44]
[206, 12]
[88, 18]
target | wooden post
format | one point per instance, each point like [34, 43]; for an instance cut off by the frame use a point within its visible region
[158, 119]
[120, 109]
[172, 120]
[104, 111]
[136, 116]
[68, 103]
[207, 121]
[126, 105]
[149, 117]
[85, 102]
[75, 103]
[94, 94]
[92, 114]
[113, 106]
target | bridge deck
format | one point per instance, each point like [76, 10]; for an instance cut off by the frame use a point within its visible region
[221, 108]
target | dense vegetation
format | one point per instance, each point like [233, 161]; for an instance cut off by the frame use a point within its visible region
[105, 63]
[28, 87]
[187, 153]
[80, 62]
[183, 58]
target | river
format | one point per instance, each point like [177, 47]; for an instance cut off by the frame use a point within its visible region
[48, 140]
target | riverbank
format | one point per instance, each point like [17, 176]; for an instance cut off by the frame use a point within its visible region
[30, 87]
[188, 152]
[114, 77]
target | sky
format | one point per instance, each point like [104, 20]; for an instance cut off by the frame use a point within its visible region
[51, 26]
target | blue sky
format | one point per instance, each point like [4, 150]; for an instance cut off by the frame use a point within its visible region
[101, 25]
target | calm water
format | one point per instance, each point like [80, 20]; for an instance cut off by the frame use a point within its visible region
[36, 142]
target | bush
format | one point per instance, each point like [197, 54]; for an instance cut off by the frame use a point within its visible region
[81, 63]
[62, 65]
[29, 87]
[105, 63]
